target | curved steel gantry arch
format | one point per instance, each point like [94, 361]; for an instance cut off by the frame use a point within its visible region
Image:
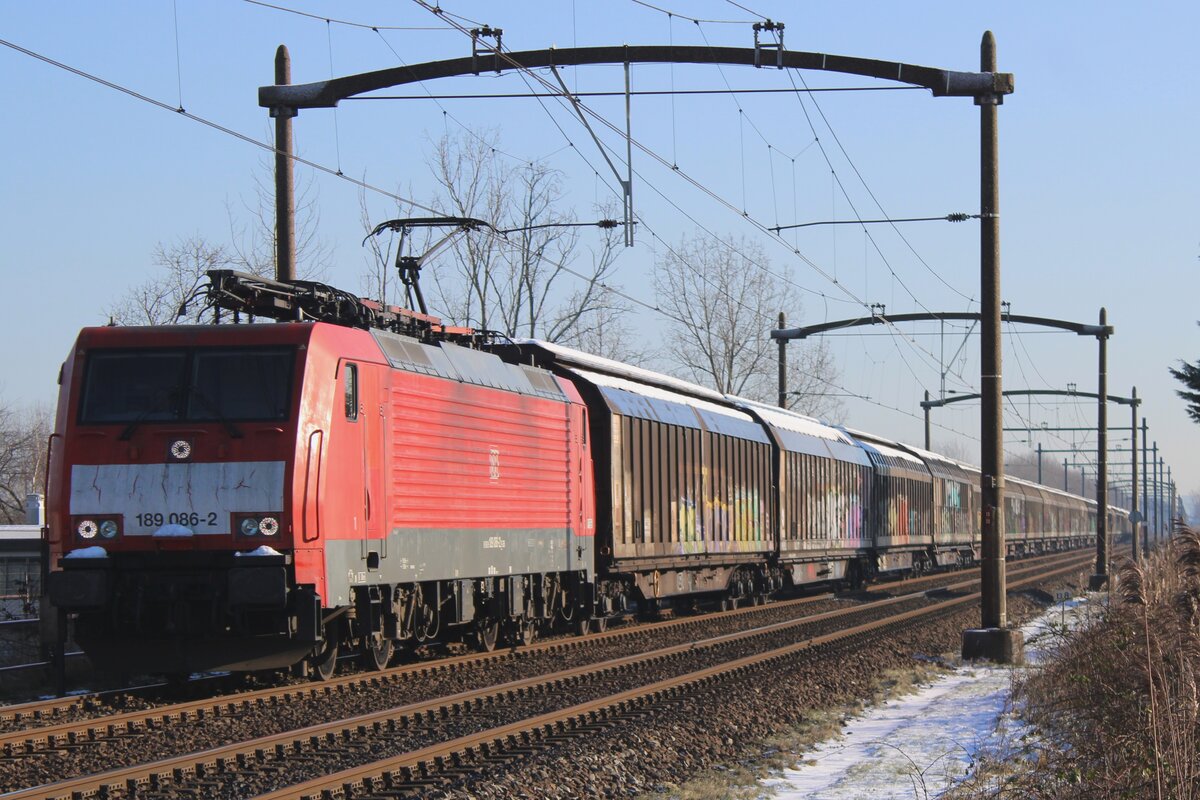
[993, 639]
[326, 94]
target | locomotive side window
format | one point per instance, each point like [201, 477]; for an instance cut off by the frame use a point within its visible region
[351, 392]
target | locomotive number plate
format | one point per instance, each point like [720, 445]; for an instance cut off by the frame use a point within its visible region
[190, 519]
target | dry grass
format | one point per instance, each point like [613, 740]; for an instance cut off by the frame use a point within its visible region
[1116, 707]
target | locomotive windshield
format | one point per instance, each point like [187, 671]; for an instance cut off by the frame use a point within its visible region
[233, 384]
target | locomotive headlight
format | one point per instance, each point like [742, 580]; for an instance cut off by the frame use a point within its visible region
[268, 526]
[87, 529]
[108, 529]
[249, 526]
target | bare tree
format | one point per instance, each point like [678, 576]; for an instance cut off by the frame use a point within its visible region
[24, 434]
[723, 304]
[1021, 464]
[605, 331]
[182, 268]
[182, 265]
[473, 184]
[533, 281]
[956, 450]
[253, 243]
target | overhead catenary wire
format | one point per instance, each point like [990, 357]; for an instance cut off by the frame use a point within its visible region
[846, 195]
[697, 20]
[178, 56]
[559, 96]
[954, 217]
[837, 140]
[668, 315]
[223, 129]
[829, 162]
[446, 113]
[747, 10]
[265, 146]
[337, 139]
[314, 165]
[214, 125]
[524, 71]
[742, 212]
[347, 23]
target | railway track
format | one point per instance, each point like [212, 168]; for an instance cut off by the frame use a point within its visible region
[132, 702]
[390, 749]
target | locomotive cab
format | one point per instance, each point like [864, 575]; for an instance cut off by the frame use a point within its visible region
[171, 516]
[248, 497]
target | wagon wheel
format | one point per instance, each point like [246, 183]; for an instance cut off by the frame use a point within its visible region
[485, 634]
[521, 632]
[526, 632]
[376, 653]
[325, 663]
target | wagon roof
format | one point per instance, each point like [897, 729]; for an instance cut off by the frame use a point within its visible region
[606, 366]
[800, 434]
[634, 399]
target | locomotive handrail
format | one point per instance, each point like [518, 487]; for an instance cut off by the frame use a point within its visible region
[45, 527]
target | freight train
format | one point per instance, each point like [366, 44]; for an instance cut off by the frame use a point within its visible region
[361, 478]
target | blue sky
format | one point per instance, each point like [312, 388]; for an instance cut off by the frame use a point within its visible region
[1098, 170]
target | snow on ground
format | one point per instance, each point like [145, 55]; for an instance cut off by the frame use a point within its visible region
[919, 745]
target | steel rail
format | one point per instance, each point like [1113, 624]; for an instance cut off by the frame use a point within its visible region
[384, 770]
[49, 709]
[221, 757]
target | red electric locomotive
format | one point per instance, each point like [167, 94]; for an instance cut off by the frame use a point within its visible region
[259, 496]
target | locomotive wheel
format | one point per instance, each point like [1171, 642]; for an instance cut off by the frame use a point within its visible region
[325, 664]
[376, 655]
[600, 624]
[582, 624]
[485, 635]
